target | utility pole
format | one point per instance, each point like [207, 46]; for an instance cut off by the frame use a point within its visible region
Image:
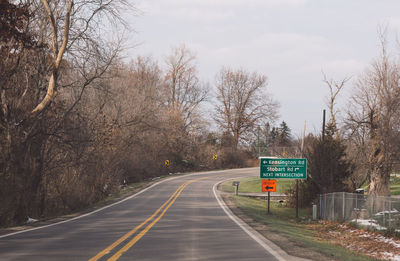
[258, 140]
[323, 147]
[323, 127]
[297, 181]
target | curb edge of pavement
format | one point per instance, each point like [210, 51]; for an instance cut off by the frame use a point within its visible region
[116, 203]
[268, 245]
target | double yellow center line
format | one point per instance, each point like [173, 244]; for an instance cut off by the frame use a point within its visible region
[157, 215]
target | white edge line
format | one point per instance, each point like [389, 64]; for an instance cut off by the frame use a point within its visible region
[250, 231]
[116, 203]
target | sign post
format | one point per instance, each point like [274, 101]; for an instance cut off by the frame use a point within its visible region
[236, 184]
[268, 186]
[282, 168]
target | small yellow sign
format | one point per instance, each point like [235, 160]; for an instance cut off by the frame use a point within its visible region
[215, 157]
[166, 163]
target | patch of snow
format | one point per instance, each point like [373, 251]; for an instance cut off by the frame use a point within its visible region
[393, 211]
[31, 220]
[369, 223]
[391, 256]
[388, 241]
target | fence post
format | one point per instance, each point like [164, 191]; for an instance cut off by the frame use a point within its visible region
[383, 211]
[343, 207]
[320, 206]
[358, 214]
[390, 211]
[371, 203]
[356, 201]
[333, 207]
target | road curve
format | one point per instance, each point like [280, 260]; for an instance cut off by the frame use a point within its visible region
[176, 219]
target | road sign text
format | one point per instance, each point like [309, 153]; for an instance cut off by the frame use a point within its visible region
[283, 168]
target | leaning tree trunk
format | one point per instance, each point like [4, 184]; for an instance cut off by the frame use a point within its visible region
[378, 159]
[379, 185]
[380, 170]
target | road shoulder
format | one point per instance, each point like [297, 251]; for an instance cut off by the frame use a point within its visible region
[8, 231]
[289, 250]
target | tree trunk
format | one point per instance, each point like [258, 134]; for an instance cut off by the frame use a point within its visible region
[379, 185]
[21, 176]
[380, 174]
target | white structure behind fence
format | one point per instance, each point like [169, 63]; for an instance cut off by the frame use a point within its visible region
[380, 212]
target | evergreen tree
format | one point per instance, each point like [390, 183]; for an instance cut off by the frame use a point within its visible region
[274, 135]
[328, 167]
[284, 135]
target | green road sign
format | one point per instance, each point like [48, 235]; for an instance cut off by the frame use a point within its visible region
[271, 168]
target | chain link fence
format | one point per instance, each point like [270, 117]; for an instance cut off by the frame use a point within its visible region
[378, 212]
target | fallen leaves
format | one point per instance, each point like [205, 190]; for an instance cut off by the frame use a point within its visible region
[369, 243]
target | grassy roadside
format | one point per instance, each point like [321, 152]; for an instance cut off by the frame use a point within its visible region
[304, 233]
[298, 238]
[248, 185]
[395, 185]
[254, 185]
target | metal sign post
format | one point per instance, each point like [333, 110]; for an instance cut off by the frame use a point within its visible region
[268, 186]
[283, 168]
[236, 184]
[297, 198]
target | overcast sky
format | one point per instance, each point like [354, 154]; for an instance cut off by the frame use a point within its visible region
[289, 41]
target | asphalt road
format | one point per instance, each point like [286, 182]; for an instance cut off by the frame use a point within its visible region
[176, 219]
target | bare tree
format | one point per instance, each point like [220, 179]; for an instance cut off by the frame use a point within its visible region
[243, 102]
[133, 96]
[375, 107]
[357, 143]
[335, 87]
[183, 90]
[73, 29]
[70, 51]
